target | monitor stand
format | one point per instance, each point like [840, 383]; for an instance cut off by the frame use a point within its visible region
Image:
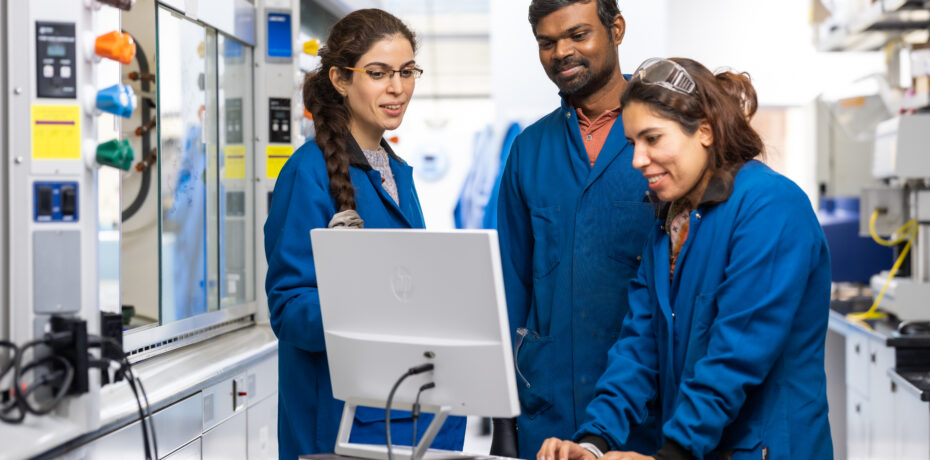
[379, 452]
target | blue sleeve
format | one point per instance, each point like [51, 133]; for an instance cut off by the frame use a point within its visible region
[516, 245]
[299, 203]
[630, 379]
[774, 248]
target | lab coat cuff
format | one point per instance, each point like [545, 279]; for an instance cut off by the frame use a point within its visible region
[671, 450]
[595, 441]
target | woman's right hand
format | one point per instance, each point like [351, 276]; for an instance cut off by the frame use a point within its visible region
[557, 449]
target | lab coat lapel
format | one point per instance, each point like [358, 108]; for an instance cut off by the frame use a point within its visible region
[403, 177]
[614, 146]
[581, 166]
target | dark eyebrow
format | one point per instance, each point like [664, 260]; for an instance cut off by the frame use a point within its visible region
[643, 132]
[570, 31]
[381, 64]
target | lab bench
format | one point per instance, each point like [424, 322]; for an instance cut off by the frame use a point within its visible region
[878, 386]
[214, 399]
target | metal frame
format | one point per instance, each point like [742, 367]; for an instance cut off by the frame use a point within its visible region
[378, 452]
[144, 343]
[4, 159]
[236, 20]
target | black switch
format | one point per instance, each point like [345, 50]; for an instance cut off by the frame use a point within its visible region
[68, 201]
[44, 201]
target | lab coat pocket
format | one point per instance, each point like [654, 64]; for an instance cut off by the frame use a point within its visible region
[546, 235]
[534, 363]
[630, 223]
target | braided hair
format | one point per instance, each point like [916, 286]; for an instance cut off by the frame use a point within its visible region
[349, 39]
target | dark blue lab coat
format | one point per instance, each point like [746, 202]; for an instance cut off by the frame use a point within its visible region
[571, 237]
[733, 346]
[308, 416]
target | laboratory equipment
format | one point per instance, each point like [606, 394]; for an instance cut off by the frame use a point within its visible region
[901, 208]
[187, 165]
[426, 297]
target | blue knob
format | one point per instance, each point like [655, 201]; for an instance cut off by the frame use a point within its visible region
[118, 100]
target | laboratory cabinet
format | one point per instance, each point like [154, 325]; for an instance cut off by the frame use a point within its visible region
[883, 415]
[214, 400]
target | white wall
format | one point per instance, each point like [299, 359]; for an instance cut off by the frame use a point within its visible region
[520, 87]
[773, 41]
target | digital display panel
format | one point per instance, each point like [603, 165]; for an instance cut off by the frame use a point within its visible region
[279, 35]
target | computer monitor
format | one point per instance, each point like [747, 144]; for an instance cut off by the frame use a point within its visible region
[396, 299]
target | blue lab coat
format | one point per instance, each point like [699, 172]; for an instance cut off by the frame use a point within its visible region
[571, 236]
[308, 416]
[733, 346]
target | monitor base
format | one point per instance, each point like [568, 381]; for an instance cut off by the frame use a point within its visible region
[379, 452]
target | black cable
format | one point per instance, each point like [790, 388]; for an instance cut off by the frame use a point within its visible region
[43, 380]
[14, 402]
[416, 415]
[131, 379]
[387, 410]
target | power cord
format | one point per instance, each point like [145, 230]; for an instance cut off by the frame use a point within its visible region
[60, 375]
[416, 415]
[387, 411]
[125, 371]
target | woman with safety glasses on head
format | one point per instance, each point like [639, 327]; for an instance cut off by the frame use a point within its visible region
[729, 310]
[347, 176]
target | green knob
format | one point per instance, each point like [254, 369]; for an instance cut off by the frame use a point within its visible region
[115, 153]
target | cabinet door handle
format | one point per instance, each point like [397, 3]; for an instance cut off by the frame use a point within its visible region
[873, 357]
[858, 408]
[857, 348]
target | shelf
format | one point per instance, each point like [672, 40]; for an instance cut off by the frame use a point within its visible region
[875, 26]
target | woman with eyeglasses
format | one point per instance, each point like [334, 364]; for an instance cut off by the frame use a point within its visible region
[347, 176]
[729, 310]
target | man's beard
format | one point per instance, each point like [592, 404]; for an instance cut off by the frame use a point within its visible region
[583, 83]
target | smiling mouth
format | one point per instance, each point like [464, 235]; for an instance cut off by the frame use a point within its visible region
[393, 106]
[654, 179]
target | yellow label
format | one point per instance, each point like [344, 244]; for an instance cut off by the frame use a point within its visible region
[235, 162]
[275, 157]
[56, 132]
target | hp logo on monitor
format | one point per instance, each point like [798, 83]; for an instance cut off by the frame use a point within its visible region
[402, 284]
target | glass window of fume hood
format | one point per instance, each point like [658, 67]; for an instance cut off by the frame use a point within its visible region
[198, 258]
[187, 186]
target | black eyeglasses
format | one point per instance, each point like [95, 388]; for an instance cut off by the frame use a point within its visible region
[409, 73]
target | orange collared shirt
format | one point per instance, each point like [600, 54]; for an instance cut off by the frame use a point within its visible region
[594, 133]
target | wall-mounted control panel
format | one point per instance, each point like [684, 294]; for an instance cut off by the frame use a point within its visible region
[55, 60]
[279, 120]
[55, 202]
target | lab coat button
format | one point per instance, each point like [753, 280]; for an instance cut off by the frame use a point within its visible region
[568, 114]
[638, 258]
[697, 214]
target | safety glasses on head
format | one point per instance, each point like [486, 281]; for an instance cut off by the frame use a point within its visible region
[665, 73]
